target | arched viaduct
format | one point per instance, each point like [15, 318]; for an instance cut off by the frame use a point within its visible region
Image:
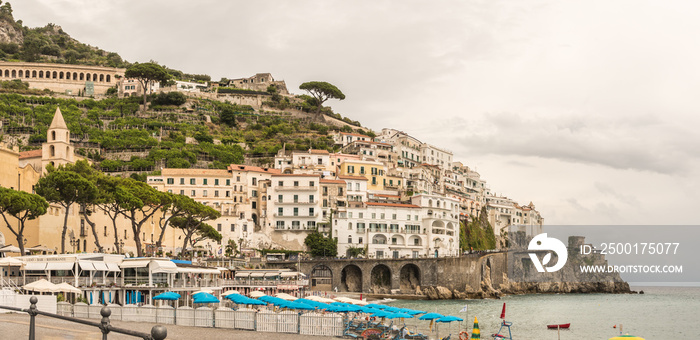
[61, 77]
[404, 275]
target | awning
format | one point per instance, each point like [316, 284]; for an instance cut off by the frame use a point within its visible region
[60, 265]
[290, 274]
[257, 274]
[197, 270]
[101, 266]
[86, 266]
[242, 274]
[163, 267]
[135, 264]
[272, 274]
[35, 266]
[112, 267]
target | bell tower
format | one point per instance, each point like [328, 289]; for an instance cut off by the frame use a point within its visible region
[57, 149]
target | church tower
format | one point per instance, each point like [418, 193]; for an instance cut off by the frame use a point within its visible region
[57, 149]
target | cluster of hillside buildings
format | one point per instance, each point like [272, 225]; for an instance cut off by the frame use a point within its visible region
[391, 195]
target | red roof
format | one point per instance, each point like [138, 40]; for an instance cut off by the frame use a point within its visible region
[29, 154]
[240, 167]
[398, 205]
[336, 181]
[295, 175]
[359, 178]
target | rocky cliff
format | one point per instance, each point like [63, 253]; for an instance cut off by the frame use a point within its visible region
[9, 33]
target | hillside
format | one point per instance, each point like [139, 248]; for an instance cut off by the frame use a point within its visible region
[200, 133]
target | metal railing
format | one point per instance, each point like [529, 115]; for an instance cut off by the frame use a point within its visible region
[158, 332]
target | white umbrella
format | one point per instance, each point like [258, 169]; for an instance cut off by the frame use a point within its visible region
[286, 296]
[66, 287]
[354, 301]
[256, 294]
[204, 290]
[319, 299]
[41, 286]
[229, 292]
[10, 261]
[9, 248]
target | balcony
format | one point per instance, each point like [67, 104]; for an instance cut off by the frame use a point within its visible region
[296, 202]
[298, 188]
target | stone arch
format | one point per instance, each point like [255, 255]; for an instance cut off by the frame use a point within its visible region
[438, 224]
[60, 75]
[412, 241]
[7, 73]
[87, 77]
[75, 75]
[351, 278]
[53, 135]
[255, 219]
[27, 74]
[41, 74]
[409, 277]
[14, 74]
[109, 78]
[399, 239]
[52, 151]
[94, 77]
[102, 78]
[380, 279]
[321, 278]
[34, 74]
[20, 74]
[82, 76]
[379, 239]
[450, 226]
[55, 75]
[67, 151]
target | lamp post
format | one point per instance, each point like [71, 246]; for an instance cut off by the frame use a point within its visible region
[121, 246]
[74, 242]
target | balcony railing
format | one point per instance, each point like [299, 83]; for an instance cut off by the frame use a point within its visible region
[297, 202]
[299, 188]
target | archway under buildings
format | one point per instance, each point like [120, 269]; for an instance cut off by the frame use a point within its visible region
[409, 278]
[321, 278]
[351, 279]
[380, 279]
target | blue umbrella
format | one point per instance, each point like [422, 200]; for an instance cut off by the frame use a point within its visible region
[139, 298]
[448, 318]
[91, 297]
[205, 298]
[392, 309]
[127, 297]
[398, 315]
[244, 300]
[430, 316]
[170, 296]
[381, 314]
[299, 305]
[110, 296]
[102, 295]
[374, 305]
[410, 311]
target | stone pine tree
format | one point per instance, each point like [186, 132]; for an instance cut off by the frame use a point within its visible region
[146, 74]
[65, 188]
[21, 206]
[322, 91]
[139, 202]
[90, 204]
[192, 223]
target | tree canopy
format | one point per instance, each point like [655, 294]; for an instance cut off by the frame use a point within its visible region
[321, 91]
[321, 246]
[192, 223]
[146, 73]
[22, 206]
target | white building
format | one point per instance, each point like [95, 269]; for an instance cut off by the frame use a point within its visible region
[434, 155]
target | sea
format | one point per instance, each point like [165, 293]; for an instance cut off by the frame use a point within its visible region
[663, 313]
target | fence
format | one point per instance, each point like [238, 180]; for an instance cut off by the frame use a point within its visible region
[312, 323]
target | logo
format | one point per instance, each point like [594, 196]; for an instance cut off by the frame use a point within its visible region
[542, 242]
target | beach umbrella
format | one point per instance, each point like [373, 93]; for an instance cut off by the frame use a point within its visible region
[398, 315]
[244, 300]
[286, 296]
[476, 333]
[430, 316]
[204, 298]
[392, 309]
[67, 288]
[110, 296]
[228, 292]
[626, 337]
[448, 319]
[102, 296]
[374, 305]
[169, 296]
[299, 305]
[91, 297]
[257, 294]
[42, 285]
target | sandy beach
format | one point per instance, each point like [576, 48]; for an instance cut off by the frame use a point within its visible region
[16, 326]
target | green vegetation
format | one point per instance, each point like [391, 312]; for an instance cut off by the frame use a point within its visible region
[147, 74]
[477, 234]
[21, 206]
[320, 246]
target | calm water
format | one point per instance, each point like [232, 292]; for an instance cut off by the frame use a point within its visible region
[661, 313]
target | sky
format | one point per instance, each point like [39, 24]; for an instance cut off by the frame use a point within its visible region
[586, 108]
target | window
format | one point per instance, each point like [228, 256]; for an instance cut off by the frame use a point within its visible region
[374, 215]
[245, 227]
[359, 240]
[218, 227]
[228, 182]
[193, 181]
[393, 216]
[182, 181]
[408, 217]
[216, 193]
[254, 205]
[350, 239]
[350, 215]
[233, 227]
[204, 193]
[296, 225]
[280, 224]
[228, 193]
[296, 183]
[296, 211]
[349, 186]
[280, 198]
[171, 181]
[311, 224]
[296, 198]
[194, 193]
[362, 170]
[374, 180]
[280, 211]
[255, 181]
[362, 215]
[312, 184]
[381, 216]
[351, 169]
[325, 203]
[204, 181]
[357, 186]
[182, 192]
[216, 181]
[311, 211]
[254, 193]
[349, 225]
[311, 198]
[340, 191]
[242, 216]
[416, 241]
[280, 183]
[238, 178]
[170, 191]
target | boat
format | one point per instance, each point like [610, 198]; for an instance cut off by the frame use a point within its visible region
[561, 325]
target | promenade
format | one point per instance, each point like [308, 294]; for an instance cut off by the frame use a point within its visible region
[16, 326]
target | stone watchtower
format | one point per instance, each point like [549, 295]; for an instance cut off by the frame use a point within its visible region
[57, 150]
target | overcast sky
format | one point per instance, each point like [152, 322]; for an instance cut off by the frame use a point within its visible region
[588, 108]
